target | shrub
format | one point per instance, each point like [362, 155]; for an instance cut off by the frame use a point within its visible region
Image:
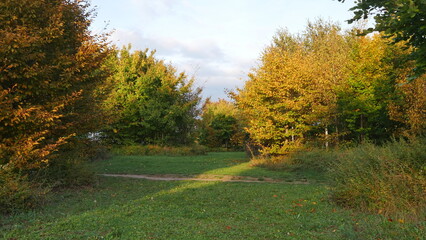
[388, 179]
[70, 167]
[312, 159]
[150, 150]
[17, 193]
[272, 163]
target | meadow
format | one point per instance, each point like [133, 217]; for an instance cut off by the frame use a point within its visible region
[124, 208]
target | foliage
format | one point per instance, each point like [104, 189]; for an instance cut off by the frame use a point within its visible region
[152, 150]
[51, 69]
[410, 107]
[402, 20]
[390, 180]
[325, 87]
[50, 63]
[149, 102]
[17, 193]
[370, 89]
[220, 125]
[328, 88]
[293, 91]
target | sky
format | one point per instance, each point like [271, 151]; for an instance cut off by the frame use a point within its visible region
[216, 42]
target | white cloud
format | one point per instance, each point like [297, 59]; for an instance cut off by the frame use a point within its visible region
[216, 41]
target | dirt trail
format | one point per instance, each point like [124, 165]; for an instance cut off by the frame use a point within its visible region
[203, 177]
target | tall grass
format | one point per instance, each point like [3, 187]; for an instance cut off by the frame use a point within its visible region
[389, 179]
[312, 159]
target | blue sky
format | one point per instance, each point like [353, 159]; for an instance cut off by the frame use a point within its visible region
[215, 41]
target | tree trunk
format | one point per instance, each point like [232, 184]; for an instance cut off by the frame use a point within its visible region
[326, 137]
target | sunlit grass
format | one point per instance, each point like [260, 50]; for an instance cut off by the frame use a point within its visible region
[119, 208]
[218, 163]
[142, 209]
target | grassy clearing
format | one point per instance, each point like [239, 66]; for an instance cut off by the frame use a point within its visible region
[215, 163]
[118, 208]
[129, 209]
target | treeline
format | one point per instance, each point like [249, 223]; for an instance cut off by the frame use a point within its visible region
[65, 93]
[149, 102]
[328, 87]
[51, 85]
[350, 106]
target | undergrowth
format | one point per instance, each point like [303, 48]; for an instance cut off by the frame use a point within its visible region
[389, 179]
[152, 150]
[26, 189]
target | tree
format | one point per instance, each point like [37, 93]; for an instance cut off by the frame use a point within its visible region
[293, 92]
[50, 65]
[370, 89]
[150, 103]
[325, 86]
[402, 20]
[220, 125]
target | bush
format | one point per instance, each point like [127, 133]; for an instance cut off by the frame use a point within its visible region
[69, 169]
[150, 150]
[17, 193]
[388, 179]
[312, 159]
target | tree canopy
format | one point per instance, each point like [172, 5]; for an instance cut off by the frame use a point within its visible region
[402, 20]
[50, 66]
[220, 125]
[150, 103]
[327, 86]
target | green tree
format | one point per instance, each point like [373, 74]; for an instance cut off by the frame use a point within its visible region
[220, 125]
[150, 103]
[402, 20]
[370, 88]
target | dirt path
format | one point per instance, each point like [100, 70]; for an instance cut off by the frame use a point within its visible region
[203, 177]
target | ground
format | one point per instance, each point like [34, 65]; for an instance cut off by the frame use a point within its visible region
[128, 208]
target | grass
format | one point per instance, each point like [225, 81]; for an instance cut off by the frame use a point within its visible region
[117, 208]
[389, 179]
[215, 163]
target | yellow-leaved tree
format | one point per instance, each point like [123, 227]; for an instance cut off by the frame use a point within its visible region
[293, 92]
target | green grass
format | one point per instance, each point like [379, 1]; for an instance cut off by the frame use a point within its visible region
[117, 208]
[215, 163]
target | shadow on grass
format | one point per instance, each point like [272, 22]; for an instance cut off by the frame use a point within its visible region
[143, 209]
[225, 163]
